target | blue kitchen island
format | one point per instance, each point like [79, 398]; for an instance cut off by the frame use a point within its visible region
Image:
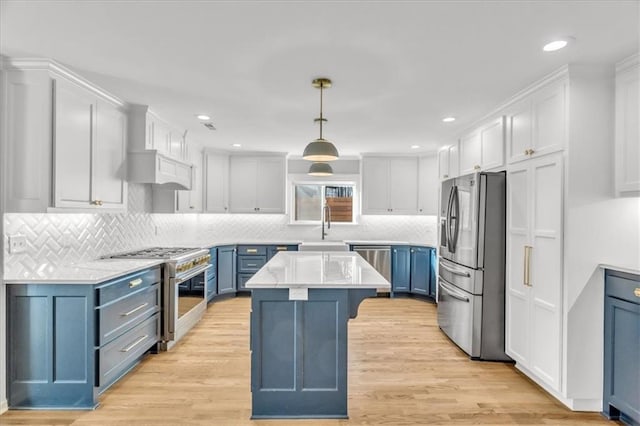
[301, 304]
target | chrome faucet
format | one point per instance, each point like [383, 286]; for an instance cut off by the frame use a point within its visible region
[326, 209]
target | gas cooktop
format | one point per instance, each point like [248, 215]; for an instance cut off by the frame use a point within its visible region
[156, 253]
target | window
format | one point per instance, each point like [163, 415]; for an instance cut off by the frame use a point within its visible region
[309, 200]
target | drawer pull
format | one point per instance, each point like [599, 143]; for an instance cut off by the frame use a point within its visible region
[252, 250]
[135, 283]
[637, 292]
[134, 344]
[126, 314]
[281, 248]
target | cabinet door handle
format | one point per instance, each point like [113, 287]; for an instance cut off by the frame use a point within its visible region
[252, 264]
[476, 167]
[281, 248]
[637, 292]
[527, 266]
[252, 250]
[135, 283]
[134, 344]
[126, 314]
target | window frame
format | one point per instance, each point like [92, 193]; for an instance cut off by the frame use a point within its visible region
[345, 180]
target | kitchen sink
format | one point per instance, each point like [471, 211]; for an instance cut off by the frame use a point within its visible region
[325, 245]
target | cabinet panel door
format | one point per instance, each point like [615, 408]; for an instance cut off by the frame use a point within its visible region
[470, 153]
[400, 269]
[226, 269]
[443, 163]
[73, 112]
[546, 268]
[428, 185]
[628, 131]
[420, 261]
[375, 185]
[216, 183]
[454, 161]
[517, 293]
[550, 123]
[519, 131]
[161, 135]
[492, 145]
[109, 150]
[270, 185]
[403, 185]
[242, 184]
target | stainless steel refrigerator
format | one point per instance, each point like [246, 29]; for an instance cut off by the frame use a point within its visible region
[471, 273]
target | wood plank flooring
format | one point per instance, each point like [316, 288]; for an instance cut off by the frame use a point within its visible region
[402, 371]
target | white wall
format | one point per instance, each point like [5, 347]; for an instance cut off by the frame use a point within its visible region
[599, 228]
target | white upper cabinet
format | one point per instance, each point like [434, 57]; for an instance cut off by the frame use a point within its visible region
[168, 200]
[627, 117]
[216, 182]
[66, 141]
[428, 185]
[537, 124]
[448, 162]
[483, 149]
[257, 184]
[389, 185]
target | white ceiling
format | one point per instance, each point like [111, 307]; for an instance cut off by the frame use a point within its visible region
[398, 67]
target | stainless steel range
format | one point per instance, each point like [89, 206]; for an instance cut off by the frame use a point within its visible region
[184, 287]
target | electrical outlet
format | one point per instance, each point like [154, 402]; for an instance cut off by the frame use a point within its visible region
[17, 243]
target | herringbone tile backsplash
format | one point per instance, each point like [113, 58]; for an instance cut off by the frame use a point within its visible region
[57, 239]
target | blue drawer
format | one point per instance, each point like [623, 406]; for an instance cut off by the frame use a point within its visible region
[122, 287]
[251, 263]
[623, 286]
[242, 280]
[118, 356]
[252, 250]
[117, 317]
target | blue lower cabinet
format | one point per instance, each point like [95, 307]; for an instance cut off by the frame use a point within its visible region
[621, 394]
[420, 260]
[299, 352]
[212, 277]
[69, 342]
[400, 269]
[242, 280]
[273, 250]
[227, 269]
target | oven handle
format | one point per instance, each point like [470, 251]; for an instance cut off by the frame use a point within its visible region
[193, 273]
[453, 293]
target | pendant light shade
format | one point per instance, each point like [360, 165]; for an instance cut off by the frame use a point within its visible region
[320, 150]
[320, 169]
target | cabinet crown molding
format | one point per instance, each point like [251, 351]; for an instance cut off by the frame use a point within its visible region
[43, 64]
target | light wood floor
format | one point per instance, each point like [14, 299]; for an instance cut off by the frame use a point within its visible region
[402, 371]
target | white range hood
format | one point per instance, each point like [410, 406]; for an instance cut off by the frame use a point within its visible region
[150, 166]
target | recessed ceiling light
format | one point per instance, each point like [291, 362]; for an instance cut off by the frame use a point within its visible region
[415, 146]
[557, 44]
[449, 119]
[236, 145]
[203, 117]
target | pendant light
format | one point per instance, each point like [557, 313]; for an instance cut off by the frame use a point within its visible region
[320, 169]
[320, 150]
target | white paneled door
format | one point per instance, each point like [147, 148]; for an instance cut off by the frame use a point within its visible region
[534, 267]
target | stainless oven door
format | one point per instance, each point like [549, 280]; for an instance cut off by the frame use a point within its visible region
[459, 316]
[172, 294]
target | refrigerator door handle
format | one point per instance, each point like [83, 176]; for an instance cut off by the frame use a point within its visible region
[448, 224]
[454, 270]
[455, 219]
[453, 293]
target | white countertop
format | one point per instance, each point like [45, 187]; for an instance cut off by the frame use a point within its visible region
[628, 269]
[313, 269]
[92, 272]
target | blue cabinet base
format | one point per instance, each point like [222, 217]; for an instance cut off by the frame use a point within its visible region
[299, 352]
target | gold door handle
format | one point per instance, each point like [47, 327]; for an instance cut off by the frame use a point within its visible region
[281, 248]
[526, 152]
[531, 152]
[476, 167]
[527, 266]
[252, 250]
[135, 283]
[637, 292]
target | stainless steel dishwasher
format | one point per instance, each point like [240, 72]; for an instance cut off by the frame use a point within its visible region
[379, 257]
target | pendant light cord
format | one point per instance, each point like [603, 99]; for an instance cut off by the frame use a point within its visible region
[321, 87]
